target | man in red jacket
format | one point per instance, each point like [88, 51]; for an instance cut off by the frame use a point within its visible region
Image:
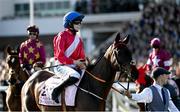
[69, 52]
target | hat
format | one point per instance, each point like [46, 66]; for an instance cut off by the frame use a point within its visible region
[159, 71]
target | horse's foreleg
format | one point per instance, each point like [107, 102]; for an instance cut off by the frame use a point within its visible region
[29, 104]
[4, 100]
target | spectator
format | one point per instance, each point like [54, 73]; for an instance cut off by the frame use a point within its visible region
[142, 82]
[156, 97]
[173, 93]
[177, 77]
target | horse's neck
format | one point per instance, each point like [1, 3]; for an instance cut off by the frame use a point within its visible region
[104, 71]
[23, 75]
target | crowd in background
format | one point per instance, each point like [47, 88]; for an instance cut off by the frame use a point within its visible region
[162, 21]
[105, 6]
[158, 20]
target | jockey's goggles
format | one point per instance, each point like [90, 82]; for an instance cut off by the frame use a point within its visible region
[32, 33]
[76, 22]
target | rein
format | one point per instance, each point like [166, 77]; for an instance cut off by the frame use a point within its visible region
[92, 75]
[97, 78]
[93, 94]
[86, 91]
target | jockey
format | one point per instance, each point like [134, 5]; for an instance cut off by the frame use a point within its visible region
[32, 50]
[69, 52]
[158, 57]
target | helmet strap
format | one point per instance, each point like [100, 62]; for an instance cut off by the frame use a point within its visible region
[71, 27]
[70, 24]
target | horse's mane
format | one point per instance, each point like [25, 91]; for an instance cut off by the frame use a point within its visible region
[118, 45]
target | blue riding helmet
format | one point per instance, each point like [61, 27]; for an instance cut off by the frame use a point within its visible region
[71, 16]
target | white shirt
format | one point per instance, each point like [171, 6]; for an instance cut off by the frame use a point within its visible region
[146, 97]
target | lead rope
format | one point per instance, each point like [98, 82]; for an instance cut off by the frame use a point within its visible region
[122, 85]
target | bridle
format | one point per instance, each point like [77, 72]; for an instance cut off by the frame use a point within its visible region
[14, 73]
[13, 69]
[123, 70]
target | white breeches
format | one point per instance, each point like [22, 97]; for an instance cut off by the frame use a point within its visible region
[66, 70]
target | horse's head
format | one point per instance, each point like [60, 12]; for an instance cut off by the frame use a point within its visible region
[12, 59]
[119, 54]
[15, 71]
[13, 64]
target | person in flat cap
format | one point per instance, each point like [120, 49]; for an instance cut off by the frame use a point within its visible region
[156, 97]
[158, 71]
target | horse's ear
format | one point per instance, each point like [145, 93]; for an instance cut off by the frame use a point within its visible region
[8, 50]
[117, 38]
[18, 49]
[126, 39]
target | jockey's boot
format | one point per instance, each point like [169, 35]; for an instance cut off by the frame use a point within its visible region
[56, 92]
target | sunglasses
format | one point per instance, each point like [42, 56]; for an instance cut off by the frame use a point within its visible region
[77, 22]
[32, 33]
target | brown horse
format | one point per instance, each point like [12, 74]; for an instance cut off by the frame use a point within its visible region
[116, 58]
[16, 78]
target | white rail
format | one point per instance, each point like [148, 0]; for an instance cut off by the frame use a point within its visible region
[3, 88]
[120, 102]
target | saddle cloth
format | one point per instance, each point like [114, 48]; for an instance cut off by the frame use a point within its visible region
[47, 88]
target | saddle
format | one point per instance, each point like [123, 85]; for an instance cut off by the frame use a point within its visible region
[53, 82]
